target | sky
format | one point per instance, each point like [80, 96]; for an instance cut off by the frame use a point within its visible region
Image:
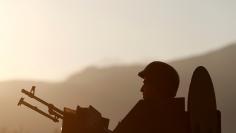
[51, 39]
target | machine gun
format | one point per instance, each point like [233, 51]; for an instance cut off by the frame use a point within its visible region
[84, 120]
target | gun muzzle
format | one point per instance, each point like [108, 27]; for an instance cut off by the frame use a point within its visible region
[20, 101]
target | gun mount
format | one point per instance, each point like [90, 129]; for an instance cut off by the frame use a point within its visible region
[86, 120]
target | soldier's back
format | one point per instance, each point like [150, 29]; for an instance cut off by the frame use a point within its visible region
[148, 117]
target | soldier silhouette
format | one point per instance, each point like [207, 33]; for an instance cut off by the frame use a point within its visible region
[159, 110]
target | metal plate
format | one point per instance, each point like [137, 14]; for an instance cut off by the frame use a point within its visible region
[202, 103]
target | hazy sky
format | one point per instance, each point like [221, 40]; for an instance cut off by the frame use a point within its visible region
[50, 39]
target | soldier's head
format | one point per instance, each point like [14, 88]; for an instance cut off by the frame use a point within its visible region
[161, 81]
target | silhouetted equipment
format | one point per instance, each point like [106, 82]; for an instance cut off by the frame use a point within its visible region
[54, 112]
[55, 119]
[168, 116]
[84, 120]
[203, 114]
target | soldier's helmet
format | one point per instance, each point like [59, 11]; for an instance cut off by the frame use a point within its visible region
[163, 76]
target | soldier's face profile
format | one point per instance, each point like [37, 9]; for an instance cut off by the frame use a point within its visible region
[149, 92]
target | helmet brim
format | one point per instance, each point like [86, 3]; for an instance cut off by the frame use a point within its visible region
[141, 74]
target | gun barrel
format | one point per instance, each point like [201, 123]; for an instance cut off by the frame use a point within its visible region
[50, 106]
[37, 110]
